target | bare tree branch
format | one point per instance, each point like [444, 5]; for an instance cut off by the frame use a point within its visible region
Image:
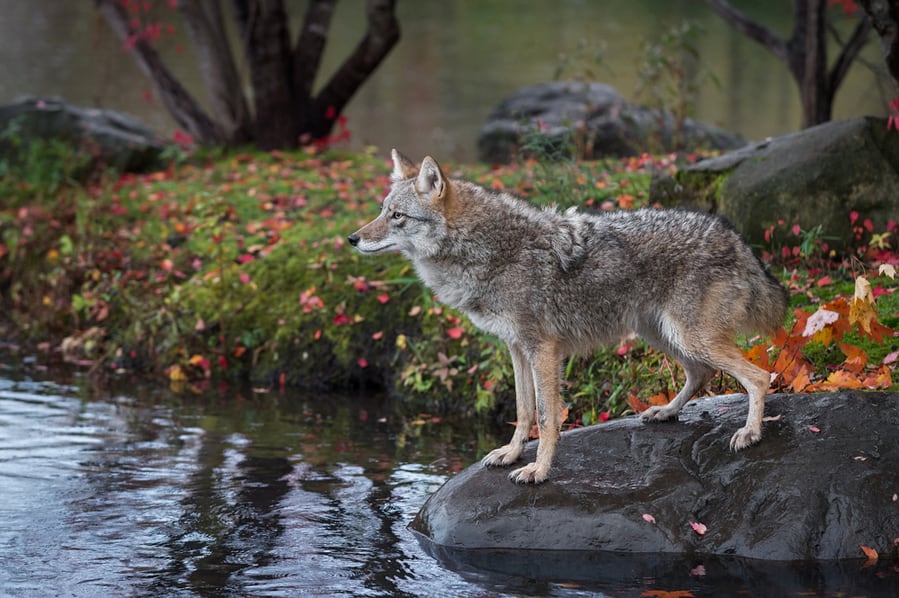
[310, 46]
[750, 28]
[884, 16]
[207, 30]
[849, 53]
[186, 111]
[382, 34]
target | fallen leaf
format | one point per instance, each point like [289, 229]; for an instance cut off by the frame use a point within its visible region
[649, 518]
[814, 429]
[818, 320]
[698, 571]
[772, 418]
[887, 269]
[870, 554]
[699, 528]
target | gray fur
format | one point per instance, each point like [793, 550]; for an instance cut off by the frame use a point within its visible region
[550, 284]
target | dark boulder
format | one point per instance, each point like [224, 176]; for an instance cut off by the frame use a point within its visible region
[556, 117]
[95, 138]
[822, 482]
[817, 176]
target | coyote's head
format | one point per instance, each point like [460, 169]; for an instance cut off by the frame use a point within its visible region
[414, 214]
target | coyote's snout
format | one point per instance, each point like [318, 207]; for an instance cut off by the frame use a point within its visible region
[550, 284]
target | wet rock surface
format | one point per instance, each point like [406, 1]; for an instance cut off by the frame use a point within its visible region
[821, 483]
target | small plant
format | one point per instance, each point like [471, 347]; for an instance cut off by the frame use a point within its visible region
[671, 74]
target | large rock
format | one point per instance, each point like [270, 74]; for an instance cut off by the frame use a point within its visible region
[817, 176]
[100, 138]
[822, 482]
[555, 116]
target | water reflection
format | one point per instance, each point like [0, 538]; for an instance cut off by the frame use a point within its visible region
[268, 495]
[148, 493]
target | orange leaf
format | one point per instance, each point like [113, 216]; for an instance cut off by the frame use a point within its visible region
[840, 379]
[870, 554]
[637, 405]
[879, 379]
[856, 358]
[758, 355]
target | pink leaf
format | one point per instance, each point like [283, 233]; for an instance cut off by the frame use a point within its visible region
[363, 363]
[649, 518]
[455, 333]
[699, 528]
[814, 429]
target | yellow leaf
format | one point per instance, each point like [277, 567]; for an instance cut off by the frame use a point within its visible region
[176, 374]
[861, 311]
[888, 270]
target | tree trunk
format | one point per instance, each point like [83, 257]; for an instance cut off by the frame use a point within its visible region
[207, 31]
[267, 46]
[884, 15]
[805, 53]
[281, 77]
[382, 34]
[180, 104]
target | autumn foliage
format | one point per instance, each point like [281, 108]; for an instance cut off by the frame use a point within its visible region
[235, 266]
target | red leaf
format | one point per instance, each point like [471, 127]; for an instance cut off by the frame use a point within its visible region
[455, 333]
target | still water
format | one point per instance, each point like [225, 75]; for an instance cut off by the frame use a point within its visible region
[140, 491]
[455, 61]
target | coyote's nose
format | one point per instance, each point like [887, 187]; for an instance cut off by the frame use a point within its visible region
[353, 239]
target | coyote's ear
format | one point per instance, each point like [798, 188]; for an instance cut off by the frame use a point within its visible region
[403, 168]
[430, 179]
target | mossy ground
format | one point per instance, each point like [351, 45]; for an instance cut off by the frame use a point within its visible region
[235, 266]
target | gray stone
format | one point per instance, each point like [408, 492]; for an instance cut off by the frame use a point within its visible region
[800, 494]
[594, 116]
[100, 138]
[813, 177]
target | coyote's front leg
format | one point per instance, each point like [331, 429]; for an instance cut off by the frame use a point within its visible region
[524, 408]
[545, 364]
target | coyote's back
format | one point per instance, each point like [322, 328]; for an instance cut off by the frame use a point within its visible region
[551, 283]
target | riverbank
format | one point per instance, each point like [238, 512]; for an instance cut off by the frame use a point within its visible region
[235, 266]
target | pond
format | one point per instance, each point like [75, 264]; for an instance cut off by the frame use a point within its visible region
[455, 61]
[138, 490]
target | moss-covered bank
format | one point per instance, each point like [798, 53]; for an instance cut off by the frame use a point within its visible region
[236, 266]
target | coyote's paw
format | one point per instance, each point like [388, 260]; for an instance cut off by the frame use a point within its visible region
[532, 473]
[504, 455]
[744, 437]
[658, 413]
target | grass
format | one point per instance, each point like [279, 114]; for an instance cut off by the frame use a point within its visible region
[234, 265]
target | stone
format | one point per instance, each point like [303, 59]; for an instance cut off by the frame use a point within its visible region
[814, 177]
[592, 116]
[822, 482]
[100, 138]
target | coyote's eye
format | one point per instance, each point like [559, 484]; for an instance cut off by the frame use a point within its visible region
[398, 216]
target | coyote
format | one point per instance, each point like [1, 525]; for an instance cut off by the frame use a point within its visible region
[550, 284]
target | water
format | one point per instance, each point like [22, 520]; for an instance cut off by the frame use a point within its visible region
[455, 61]
[139, 491]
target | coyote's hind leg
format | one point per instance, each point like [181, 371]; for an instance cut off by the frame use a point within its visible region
[698, 375]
